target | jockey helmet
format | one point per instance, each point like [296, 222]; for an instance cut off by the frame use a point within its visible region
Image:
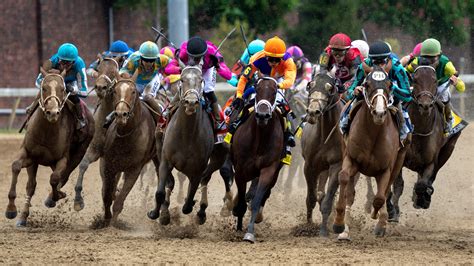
[362, 46]
[255, 46]
[340, 41]
[379, 52]
[168, 51]
[417, 50]
[430, 47]
[275, 47]
[149, 50]
[295, 52]
[119, 48]
[196, 47]
[67, 52]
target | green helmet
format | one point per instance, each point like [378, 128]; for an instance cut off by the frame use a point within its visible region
[430, 47]
[149, 50]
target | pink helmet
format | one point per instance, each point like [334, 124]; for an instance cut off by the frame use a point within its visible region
[417, 50]
[168, 51]
[295, 52]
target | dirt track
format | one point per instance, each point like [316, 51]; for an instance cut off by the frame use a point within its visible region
[442, 234]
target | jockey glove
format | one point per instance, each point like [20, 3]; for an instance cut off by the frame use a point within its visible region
[238, 103]
[215, 61]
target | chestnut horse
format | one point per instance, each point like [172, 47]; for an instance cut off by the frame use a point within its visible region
[373, 149]
[104, 85]
[129, 145]
[256, 152]
[50, 140]
[429, 149]
[322, 146]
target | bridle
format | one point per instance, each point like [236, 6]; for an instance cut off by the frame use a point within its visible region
[42, 100]
[329, 105]
[432, 96]
[264, 102]
[110, 82]
[380, 76]
[183, 95]
[131, 106]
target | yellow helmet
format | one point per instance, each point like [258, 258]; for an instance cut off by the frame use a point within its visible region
[275, 47]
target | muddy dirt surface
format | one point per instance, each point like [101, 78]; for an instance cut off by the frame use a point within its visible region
[442, 234]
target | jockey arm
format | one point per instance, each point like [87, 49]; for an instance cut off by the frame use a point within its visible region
[244, 78]
[450, 71]
[289, 74]
[81, 69]
[358, 79]
[173, 67]
[400, 83]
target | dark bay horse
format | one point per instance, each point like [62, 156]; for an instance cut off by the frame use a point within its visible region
[50, 140]
[429, 149]
[322, 146]
[129, 145]
[104, 85]
[256, 152]
[373, 149]
[187, 144]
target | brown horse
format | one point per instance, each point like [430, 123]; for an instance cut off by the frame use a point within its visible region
[104, 85]
[373, 149]
[129, 145]
[256, 153]
[50, 140]
[429, 149]
[322, 146]
[187, 144]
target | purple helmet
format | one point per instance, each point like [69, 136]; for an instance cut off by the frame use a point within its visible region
[295, 52]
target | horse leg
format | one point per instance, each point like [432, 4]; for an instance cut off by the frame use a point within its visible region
[394, 214]
[370, 195]
[348, 171]
[241, 206]
[181, 179]
[383, 187]
[447, 150]
[311, 176]
[328, 199]
[30, 191]
[227, 174]
[251, 192]
[130, 177]
[423, 189]
[164, 174]
[91, 156]
[350, 195]
[22, 162]
[259, 217]
[192, 188]
[56, 183]
[109, 183]
[266, 178]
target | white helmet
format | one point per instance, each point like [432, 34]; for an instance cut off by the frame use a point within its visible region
[362, 46]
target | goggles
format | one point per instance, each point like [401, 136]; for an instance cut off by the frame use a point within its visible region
[148, 60]
[338, 52]
[273, 59]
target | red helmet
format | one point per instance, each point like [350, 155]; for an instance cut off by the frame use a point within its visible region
[340, 41]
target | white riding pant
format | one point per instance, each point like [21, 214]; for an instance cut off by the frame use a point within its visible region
[209, 78]
[151, 87]
[444, 92]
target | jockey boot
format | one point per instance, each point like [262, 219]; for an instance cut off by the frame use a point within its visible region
[156, 108]
[109, 119]
[216, 110]
[81, 121]
[448, 118]
[290, 129]
[32, 107]
[402, 127]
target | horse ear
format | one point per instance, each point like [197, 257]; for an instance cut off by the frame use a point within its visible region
[63, 73]
[135, 76]
[117, 75]
[260, 75]
[367, 68]
[43, 72]
[100, 57]
[328, 86]
[414, 65]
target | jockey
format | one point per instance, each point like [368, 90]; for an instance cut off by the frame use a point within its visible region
[273, 61]
[362, 46]
[169, 51]
[67, 58]
[146, 62]
[446, 74]
[255, 46]
[380, 54]
[343, 58]
[118, 50]
[303, 68]
[197, 51]
[407, 59]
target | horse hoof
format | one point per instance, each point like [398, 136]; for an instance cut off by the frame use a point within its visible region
[11, 214]
[323, 232]
[49, 202]
[338, 228]
[379, 231]
[248, 237]
[78, 205]
[21, 223]
[344, 236]
[225, 212]
[201, 218]
[394, 219]
[165, 218]
[259, 217]
[153, 215]
[187, 209]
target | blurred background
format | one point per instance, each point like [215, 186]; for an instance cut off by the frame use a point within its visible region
[32, 30]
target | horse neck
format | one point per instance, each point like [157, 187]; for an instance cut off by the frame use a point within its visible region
[329, 119]
[43, 130]
[189, 123]
[263, 135]
[423, 123]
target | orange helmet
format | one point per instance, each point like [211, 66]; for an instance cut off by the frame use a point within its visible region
[340, 41]
[275, 47]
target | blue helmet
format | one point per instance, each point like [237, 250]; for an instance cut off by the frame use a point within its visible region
[119, 47]
[67, 52]
[256, 46]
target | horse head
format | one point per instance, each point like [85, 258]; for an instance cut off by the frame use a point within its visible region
[190, 92]
[125, 97]
[322, 96]
[265, 99]
[53, 95]
[377, 93]
[107, 78]
[425, 86]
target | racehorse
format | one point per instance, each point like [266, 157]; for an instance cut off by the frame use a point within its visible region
[51, 140]
[373, 149]
[429, 149]
[322, 146]
[256, 151]
[104, 85]
[129, 145]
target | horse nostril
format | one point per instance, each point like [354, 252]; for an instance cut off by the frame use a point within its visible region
[125, 114]
[48, 112]
[57, 112]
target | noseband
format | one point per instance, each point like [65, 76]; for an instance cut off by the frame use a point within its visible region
[264, 102]
[43, 100]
